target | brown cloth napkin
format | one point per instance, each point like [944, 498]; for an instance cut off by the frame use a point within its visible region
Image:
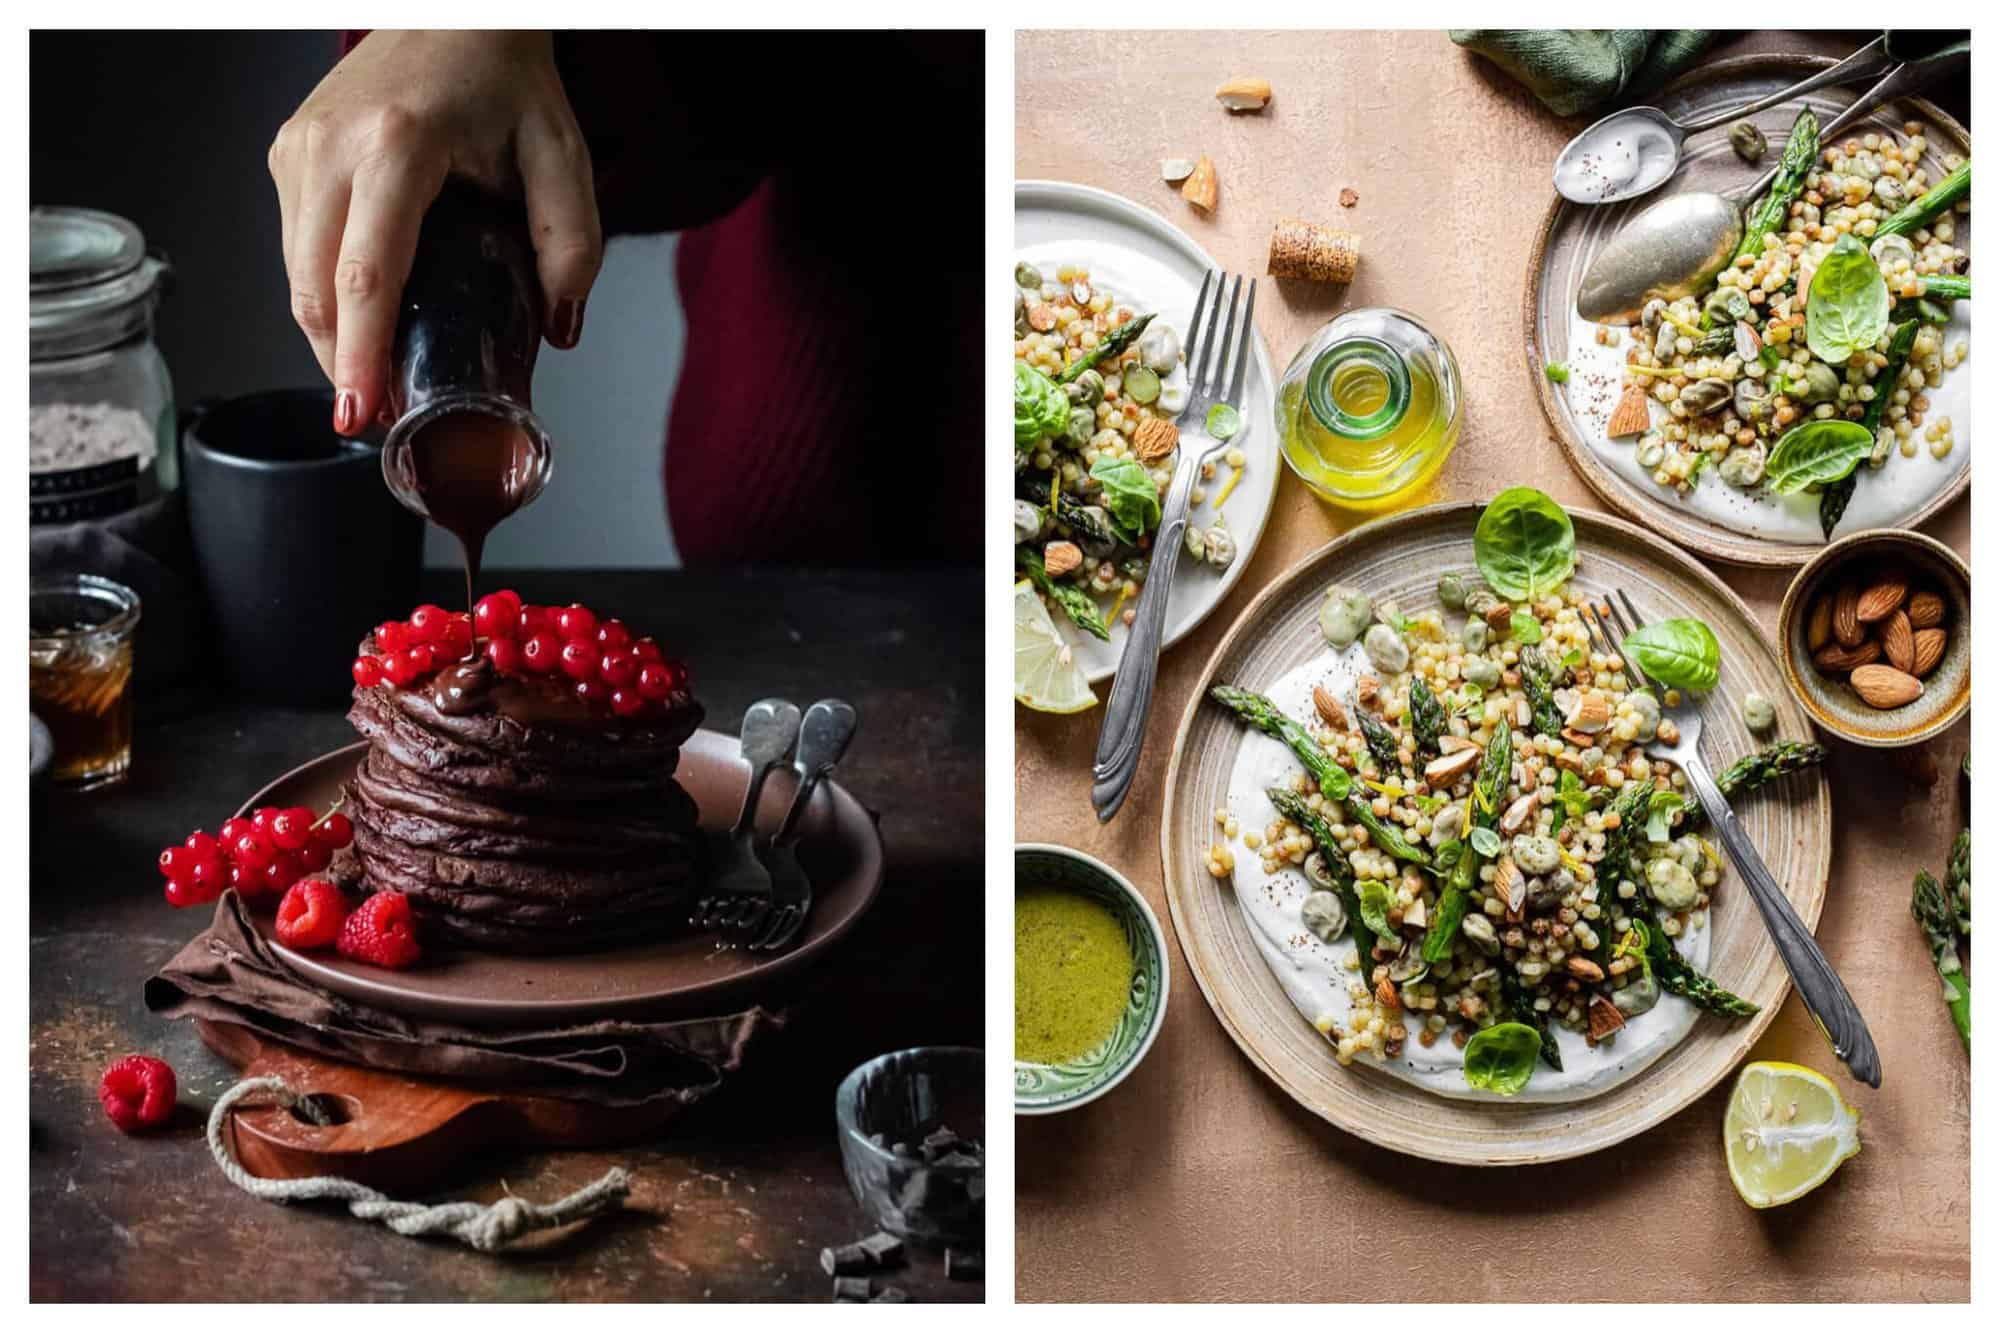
[228, 975]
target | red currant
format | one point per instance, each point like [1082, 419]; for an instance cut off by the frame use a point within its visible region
[260, 818]
[655, 681]
[579, 660]
[281, 874]
[627, 703]
[457, 640]
[427, 623]
[593, 693]
[182, 893]
[252, 851]
[540, 653]
[242, 878]
[334, 832]
[613, 635]
[314, 857]
[533, 620]
[367, 671]
[210, 878]
[392, 636]
[399, 668]
[576, 621]
[420, 659]
[177, 863]
[647, 650]
[497, 615]
[201, 844]
[505, 655]
[231, 831]
[290, 828]
[618, 667]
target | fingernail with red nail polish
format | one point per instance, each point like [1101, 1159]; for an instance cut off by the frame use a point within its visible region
[568, 322]
[346, 408]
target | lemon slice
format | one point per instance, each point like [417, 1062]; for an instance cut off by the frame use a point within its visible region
[1786, 1131]
[1046, 675]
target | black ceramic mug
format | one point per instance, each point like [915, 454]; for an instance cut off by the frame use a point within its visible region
[300, 547]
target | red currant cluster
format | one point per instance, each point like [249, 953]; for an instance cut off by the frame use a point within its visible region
[266, 853]
[611, 669]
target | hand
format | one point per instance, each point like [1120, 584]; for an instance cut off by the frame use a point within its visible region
[362, 158]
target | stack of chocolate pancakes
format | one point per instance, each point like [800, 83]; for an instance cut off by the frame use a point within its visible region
[517, 817]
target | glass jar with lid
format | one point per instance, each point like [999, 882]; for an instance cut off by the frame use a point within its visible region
[100, 401]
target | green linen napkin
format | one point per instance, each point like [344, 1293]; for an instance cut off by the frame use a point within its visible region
[1573, 70]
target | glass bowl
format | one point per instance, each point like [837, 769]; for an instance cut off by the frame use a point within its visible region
[886, 1110]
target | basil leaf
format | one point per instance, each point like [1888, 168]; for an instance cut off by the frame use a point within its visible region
[1525, 546]
[1374, 897]
[1501, 1058]
[1818, 452]
[1573, 658]
[1485, 841]
[1847, 306]
[1041, 408]
[1661, 808]
[1129, 494]
[1525, 628]
[1681, 652]
[1447, 854]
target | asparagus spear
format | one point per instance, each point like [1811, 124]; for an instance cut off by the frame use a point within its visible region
[1072, 600]
[1946, 287]
[1801, 149]
[1680, 976]
[1426, 716]
[1922, 210]
[1756, 770]
[1386, 835]
[1455, 895]
[1521, 1005]
[1833, 499]
[1958, 880]
[1265, 716]
[1381, 742]
[1538, 683]
[1293, 807]
[1928, 904]
[1111, 344]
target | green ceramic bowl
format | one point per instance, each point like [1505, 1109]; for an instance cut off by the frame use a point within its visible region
[1046, 1089]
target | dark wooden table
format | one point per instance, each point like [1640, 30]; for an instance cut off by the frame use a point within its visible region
[736, 1201]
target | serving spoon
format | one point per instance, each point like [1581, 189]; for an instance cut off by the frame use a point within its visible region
[1676, 246]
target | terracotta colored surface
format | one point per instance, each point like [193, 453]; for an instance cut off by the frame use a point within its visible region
[1198, 1179]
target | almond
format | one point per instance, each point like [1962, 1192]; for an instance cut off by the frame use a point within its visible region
[1416, 916]
[1509, 885]
[1200, 187]
[1385, 994]
[1928, 651]
[1499, 616]
[1878, 600]
[1926, 611]
[1329, 709]
[1041, 317]
[1590, 715]
[1061, 557]
[1633, 415]
[1582, 740]
[1368, 693]
[1884, 686]
[1449, 744]
[1582, 968]
[1846, 615]
[1155, 439]
[1447, 769]
[1819, 623]
[1899, 641]
[1835, 658]
[1519, 813]
[1244, 94]
[1605, 1018]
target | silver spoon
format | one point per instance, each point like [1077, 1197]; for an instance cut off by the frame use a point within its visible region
[1676, 246]
[1637, 150]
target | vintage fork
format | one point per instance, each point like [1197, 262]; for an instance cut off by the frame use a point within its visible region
[1819, 987]
[739, 892]
[1213, 377]
[829, 726]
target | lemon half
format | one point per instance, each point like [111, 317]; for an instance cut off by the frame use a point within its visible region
[1046, 675]
[1787, 1130]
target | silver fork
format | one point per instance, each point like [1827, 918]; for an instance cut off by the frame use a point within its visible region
[1819, 987]
[829, 726]
[739, 892]
[1214, 376]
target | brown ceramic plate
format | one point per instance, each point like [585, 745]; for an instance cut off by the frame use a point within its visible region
[1403, 557]
[679, 972]
[1572, 235]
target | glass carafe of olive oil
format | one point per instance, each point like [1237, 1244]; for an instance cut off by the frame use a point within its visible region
[1369, 409]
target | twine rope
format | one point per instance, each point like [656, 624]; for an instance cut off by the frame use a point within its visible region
[485, 1227]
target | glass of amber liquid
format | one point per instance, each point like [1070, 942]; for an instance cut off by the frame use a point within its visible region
[80, 675]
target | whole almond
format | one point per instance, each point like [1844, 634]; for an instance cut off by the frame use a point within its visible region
[1836, 658]
[1885, 687]
[1899, 641]
[1846, 619]
[1329, 709]
[1878, 600]
[1926, 610]
[1928, 652]
[1059, 558]
[1819, 623]
[1633, 415]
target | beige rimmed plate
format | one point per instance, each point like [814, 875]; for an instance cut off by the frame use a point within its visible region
[1718, 520]
[1403, 557]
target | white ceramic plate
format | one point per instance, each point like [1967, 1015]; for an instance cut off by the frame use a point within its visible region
[1150, 264]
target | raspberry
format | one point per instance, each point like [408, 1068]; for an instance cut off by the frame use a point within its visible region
[381, 931]
[138, 1092]
[310, 915]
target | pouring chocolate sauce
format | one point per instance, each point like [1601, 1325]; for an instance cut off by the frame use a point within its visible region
[467, 449]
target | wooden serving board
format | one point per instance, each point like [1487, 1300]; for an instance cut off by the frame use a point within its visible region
[400, 1132]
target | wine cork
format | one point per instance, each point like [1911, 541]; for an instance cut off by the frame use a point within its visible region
[1301, 249]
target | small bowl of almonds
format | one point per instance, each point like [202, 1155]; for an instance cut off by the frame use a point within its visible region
[1876, 637]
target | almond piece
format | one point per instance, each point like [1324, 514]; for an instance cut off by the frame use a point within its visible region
[1200, 187]
[1499, 616]
[1385, 994]
[1582, 968]
[1633, 415]
[1836, 658]
[1416, 916]
[1926, 611]
[1368, 693]
[1518, 814]
[1244, 94]
[1899, 641]
[1591, 714]
[1174, 170]
[1927, 652]
[1449, 744]
[1330, 710]
[1879, 599]
[1446, 769]
[1846, 615]
[1060, 558]
[1819, 623]
[1885, 687]
[1510, 886]
[1605, 1018]
[1155, 438]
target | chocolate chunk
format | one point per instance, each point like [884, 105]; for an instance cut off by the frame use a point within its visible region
[852, 1290]
[964, 1265]
[845, 1259]
[958, 1159]
[890, 1296]
[883, 1248]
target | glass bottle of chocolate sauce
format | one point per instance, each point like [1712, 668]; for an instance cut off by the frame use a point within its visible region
[467, 449]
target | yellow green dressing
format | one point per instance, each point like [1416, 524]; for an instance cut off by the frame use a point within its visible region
[1072, 973]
